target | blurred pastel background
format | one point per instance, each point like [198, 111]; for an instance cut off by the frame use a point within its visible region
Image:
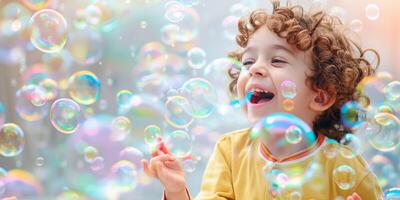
[86, 87]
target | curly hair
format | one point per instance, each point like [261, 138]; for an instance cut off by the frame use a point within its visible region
[338, 63]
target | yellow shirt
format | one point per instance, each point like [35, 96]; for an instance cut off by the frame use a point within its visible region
[236, 170]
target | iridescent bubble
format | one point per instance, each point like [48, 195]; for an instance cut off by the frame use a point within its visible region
[124, 98]
[101, 15]
[288, 104]
[383, 132]
[151, 51]
[48, 30]
[12, 140]
[188, 26]
[189, 165]
[352, 114]
[392, 194]
[272, 130]
[84, 87]
[230, 26]
[37, 4]
[201, 96]
[65, 115]
[124, 175]
[356, 25]
[373, 87]
[174, 11]
[97, 163]
[372, 12]
[295, 195]
[121, 127]
[90, 153]
[288, 89]
[196, 58]
[344, 177]
[293, 134]
[353, 145]
[50, 88]
[151, 134]
[179, 143]
[31, 103]
[176, 113]
[14, 20]
[392, 90]
[330, 149]
[132, 154]
[86, 46]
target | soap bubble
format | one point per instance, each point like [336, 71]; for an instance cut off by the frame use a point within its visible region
[201, 96]
[229, 24]
[90, 153]
[372, 12]
[50, 88]
[174, 11]
[288, 104]
[97, 163]
[121, 127]
[288, 89]
[273, 131]
[151, 133]
[383, 132]
[196, 57]
[392, 194]
[65, 115]
[176, 112]
[353, 143]
[131, 154]
[37, 4]
[84, 87]
[356, 25]
[344, 177]
[12, 140]
[392, 90]
[124, 176]
[48, 30]
[179, 143]
[352, 114]
[31, 103]
[293, 134]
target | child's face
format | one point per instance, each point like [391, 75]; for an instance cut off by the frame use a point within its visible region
[268, 60]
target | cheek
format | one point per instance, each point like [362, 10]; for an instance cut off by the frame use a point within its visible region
[241, 85]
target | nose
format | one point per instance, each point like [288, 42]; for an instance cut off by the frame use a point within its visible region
[258, 70]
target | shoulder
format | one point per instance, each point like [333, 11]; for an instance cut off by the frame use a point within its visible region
[235, 138]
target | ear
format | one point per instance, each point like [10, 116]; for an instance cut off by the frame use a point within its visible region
[322, 100]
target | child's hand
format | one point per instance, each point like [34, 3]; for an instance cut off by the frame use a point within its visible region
[354, 196]
[165, 167]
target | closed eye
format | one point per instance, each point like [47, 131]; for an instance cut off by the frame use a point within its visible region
[247, 63]
[278, 61]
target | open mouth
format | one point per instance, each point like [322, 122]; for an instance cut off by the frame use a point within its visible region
[258, 96]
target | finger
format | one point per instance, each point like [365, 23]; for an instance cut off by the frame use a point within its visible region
[350, 198]
[147, 169]
[356, 196]
[164, 148]
[172, 164]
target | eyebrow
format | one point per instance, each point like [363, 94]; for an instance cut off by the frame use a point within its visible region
[275, 46]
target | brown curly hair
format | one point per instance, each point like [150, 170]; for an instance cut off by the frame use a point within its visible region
[338, 62]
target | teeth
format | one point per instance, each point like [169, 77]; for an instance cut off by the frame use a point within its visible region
[259, 90]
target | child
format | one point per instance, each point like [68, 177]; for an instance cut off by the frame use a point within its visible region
[311, 51]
